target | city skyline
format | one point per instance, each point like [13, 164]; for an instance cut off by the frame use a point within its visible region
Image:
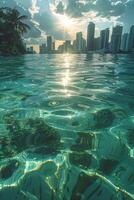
[107, 42]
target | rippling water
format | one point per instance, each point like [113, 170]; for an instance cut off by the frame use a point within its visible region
[67, 127]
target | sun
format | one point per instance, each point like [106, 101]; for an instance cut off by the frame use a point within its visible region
[65, 21]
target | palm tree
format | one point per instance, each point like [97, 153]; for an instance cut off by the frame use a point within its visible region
[13, 29]
[16, 21]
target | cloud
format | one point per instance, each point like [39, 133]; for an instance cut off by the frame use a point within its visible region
[49, 23]
[74, 8]
[104, 8]
[118, 10]
[45, 20]
[22, 6]
[10, 3]
[128, 17]
[24, 3]
[60, 8]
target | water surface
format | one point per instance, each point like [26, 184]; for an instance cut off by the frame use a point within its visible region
[67, 127]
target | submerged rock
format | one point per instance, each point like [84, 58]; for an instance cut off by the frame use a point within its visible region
[107, 166]
[80, 185]
[83, 160]
[32, 133]
[7, 170]
[125, 174]
[80, 155]
[12, 125]
[22, 95]
[43, 131]
[130, 137]
[75, 123]
[6, 150]
[34, 184]
[104, 118]
[111, 147]
[44, 150]
[85, 141]
[14, 193]
[47, 168]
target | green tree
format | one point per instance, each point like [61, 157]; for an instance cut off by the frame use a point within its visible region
[12, 29]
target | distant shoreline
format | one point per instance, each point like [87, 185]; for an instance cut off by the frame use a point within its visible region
[85, 53]
[58, 53]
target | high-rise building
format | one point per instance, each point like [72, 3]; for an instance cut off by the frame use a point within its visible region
[42, 49]
[79, 44]
[97, 44]
[49, 43]
[79, 41]
[104, 39]
[124, 42]
[116, 39]
[74, 45]
[53, 46]
[83, 44]
[131, 39]
[67, 46]
[1, 37]
[30, 50]
[90, 36]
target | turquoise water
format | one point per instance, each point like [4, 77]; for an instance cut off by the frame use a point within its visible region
[67, 127]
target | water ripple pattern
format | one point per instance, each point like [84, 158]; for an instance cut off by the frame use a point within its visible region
[67, 127]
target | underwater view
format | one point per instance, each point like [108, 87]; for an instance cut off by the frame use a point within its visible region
[67, 127]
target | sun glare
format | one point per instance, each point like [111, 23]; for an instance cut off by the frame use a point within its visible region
[65, 21]
[66, 79]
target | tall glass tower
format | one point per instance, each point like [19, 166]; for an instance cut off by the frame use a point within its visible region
[131, 39]
[90, 36]
[116, 39]
[104, 39]
[49, 43]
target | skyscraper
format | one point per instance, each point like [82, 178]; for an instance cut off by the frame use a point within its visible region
[49, 43]
[79, 41]
[90, 36]
[53, 46]
[42, 49]
[131, 39]
[116, 39]
[97, 43]
[67, 46]
[104, 39]
[83, 44]
[124, 42]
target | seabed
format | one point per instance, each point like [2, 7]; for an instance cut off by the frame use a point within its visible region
[67, 127]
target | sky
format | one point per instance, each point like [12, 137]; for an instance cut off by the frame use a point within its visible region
[62, 19]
